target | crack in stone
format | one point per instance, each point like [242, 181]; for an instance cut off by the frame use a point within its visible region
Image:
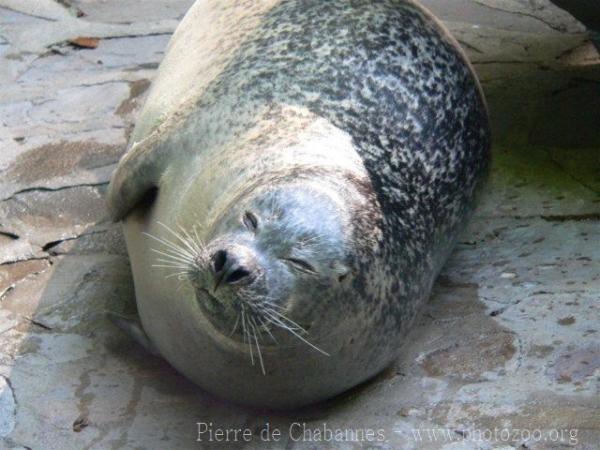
[11, 443]
[50, 245]
[9, 235]
[37, 323]
[48, 189]
[551, 217]
[46, 248]
[570, 175]
[469, 46]
[99, 83]
[572, 217]
[28, 14]
[143, 66]
[71, 9]
[573, 83]
[77, 26]
[4, 293]
[559, 28]
[125, 36]
[33, 258]
[513, 61]
[17, 282]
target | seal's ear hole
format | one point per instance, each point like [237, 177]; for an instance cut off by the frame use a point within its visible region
[250, 221]
[341, 270]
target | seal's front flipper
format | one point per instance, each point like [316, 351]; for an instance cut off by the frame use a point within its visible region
[134, 329]
[137, 174]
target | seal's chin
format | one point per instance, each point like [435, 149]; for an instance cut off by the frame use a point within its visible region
[220, 314]
[240, 320]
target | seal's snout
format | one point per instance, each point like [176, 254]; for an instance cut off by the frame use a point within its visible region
[235, 266]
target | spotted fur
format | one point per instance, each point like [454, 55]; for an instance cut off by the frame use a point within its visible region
[387, 76]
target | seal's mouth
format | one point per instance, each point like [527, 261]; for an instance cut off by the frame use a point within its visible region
[256, 323]
[211, 299]
[235, 318]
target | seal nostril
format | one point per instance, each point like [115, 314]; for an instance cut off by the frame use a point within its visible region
[219, 259]
[236, 276]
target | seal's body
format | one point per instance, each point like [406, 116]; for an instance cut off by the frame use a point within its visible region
[296, 180]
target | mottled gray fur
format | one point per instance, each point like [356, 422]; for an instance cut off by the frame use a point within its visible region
[356, 132]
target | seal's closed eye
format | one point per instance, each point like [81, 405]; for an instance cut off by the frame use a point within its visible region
[250, 221]
[301, 265]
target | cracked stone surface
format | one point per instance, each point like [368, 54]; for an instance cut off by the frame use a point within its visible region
[511, 336]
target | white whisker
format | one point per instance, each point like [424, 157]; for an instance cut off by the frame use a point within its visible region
[177, 274]
[262, 365]
[199, 241]
[196, 244]
[283, 317]
[178, 236]
[166, 255]
[235, 325]
[188, 240]
[247, 334]
[163, 263]
[165, 266]
[280, 323]
[266, 328]
[175, 248]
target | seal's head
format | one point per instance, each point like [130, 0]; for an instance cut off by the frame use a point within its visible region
[273, 259]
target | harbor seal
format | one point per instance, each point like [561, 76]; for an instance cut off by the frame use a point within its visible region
[294, 183]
